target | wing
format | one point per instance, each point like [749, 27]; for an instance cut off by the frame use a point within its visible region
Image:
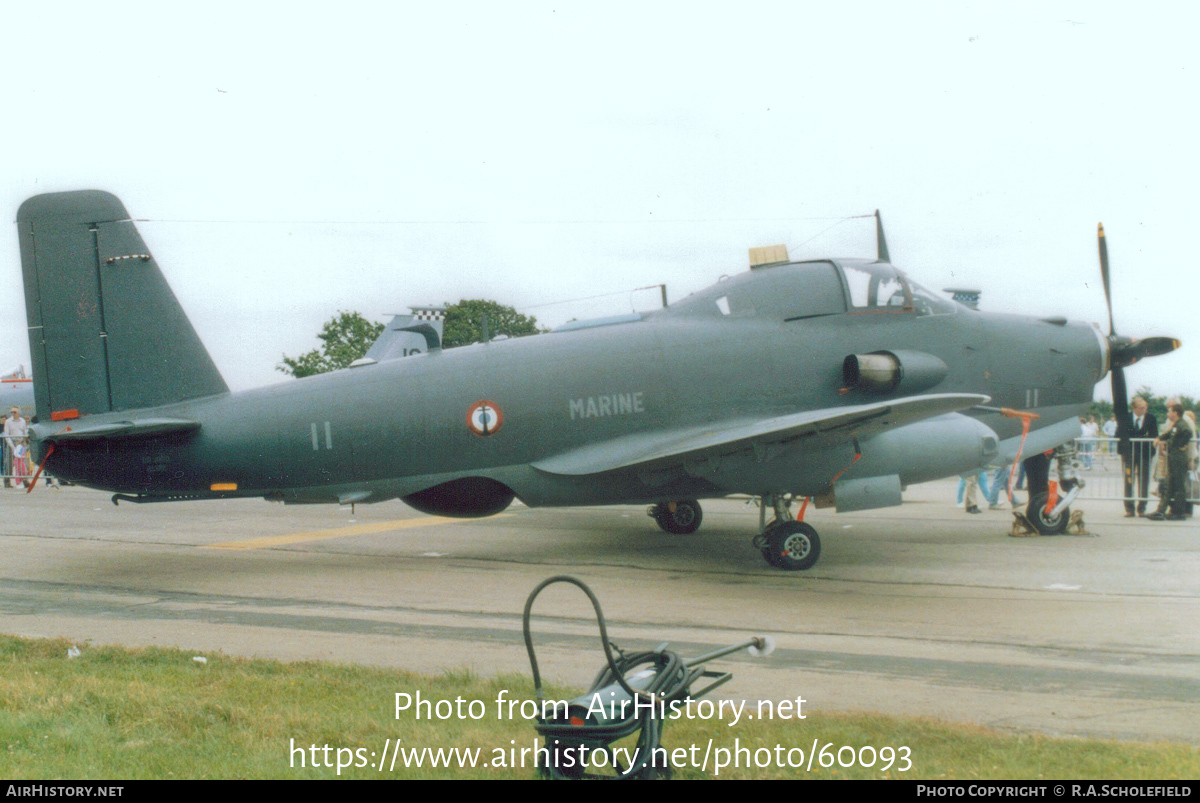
[818, 428]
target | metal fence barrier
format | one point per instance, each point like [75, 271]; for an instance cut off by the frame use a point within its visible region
[1099, 465]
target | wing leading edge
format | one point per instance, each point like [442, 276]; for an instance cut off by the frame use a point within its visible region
[819, 428]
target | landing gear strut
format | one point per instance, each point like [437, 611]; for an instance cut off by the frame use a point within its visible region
[786, 543]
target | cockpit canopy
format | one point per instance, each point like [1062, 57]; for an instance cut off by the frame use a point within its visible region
[798, 290]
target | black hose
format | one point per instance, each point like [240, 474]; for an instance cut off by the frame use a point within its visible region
[672, 679]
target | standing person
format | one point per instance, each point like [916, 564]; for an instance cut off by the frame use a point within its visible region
[1135, 457]
[1190, 485]
[21, 463]
[1161, 469]
[15, 429]
[1176, 442]
[1089, 431]
[1110, 431]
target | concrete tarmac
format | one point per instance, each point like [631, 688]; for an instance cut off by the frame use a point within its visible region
[917, 610]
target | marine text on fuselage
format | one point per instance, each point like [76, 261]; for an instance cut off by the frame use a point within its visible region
[609, 404]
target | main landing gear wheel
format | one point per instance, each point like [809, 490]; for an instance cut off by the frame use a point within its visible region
[1042, 521]
[678, 518]
[792, 546]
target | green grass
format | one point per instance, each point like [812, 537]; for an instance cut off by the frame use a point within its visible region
[154, 713]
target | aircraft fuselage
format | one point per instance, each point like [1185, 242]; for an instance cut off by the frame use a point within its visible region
[392, 429]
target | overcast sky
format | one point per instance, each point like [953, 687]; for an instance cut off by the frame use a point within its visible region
[293, 160]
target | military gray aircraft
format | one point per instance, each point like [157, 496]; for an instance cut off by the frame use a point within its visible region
[839, 380]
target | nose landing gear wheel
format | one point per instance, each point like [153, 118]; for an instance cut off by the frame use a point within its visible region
[792, 546]
[1042, 521]
[678, 518]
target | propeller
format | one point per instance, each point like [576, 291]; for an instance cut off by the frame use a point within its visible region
[1124, 351]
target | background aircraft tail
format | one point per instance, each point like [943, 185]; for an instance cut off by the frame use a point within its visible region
[105, 331]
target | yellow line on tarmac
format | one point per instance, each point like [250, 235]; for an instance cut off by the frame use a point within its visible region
[340, 532]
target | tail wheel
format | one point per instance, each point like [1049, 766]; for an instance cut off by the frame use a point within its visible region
[1042, 521]
[679, 518]
[792, 546]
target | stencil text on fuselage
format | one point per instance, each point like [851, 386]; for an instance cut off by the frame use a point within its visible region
[609, 404]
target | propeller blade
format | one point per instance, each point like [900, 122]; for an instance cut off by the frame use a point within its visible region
[1121, 407]
[1125, 352]
[1117, 348]
[1104, 275]
[1153, 347]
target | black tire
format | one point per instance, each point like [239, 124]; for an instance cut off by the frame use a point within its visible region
[768, 552]
[683, 520]
[792, 546]
[1044, 523]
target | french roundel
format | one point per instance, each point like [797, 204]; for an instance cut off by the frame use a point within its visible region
[484, 418]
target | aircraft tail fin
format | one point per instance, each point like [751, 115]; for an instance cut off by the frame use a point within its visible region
[105, 331]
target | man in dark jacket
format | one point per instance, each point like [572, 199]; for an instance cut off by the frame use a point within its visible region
[1135, 457]
[1176, 454]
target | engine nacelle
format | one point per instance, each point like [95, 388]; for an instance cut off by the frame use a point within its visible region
[467, 498]
[881, 372]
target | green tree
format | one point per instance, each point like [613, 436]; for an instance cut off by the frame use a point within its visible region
[1103, 410]
[344, 339]
[464, 322]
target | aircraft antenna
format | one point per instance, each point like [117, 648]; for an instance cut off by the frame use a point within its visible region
[880, 240]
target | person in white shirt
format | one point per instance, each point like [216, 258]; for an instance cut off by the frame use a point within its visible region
[16, 431]
[1090, 430]
[1110, 431]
